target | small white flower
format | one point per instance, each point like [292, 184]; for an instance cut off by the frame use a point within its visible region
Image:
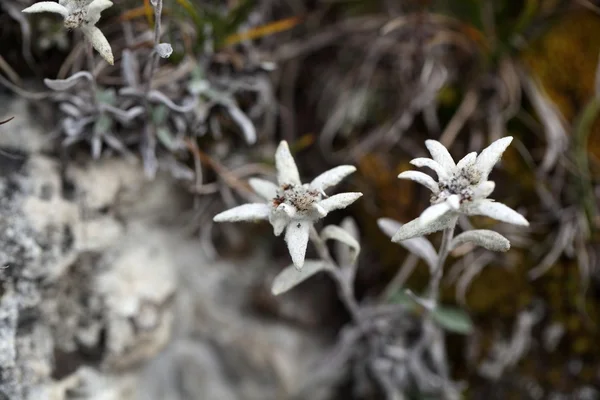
[83, 14]
[293, 206]
[461, 188]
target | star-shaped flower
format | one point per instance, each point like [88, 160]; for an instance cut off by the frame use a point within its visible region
[293, 206]
[460, 188]
[83, 14]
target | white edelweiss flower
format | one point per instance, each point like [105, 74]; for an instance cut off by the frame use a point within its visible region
[293, 206]
[461, 188]
[83, 14]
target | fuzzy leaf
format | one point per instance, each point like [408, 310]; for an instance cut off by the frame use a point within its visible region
[291, 276]
[243, 122]
[335, 232]
[482, 237]
[453, 320]
[66, 84]
[419, 246]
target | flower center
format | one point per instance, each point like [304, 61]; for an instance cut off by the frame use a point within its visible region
[462, 183]
[75, 19]
[299, 196]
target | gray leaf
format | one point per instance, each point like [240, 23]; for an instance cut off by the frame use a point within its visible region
[482, 237]
[244, 123]
[341, 235]
[65, 84]
[291, 276]
[419, 246]
[453, 320]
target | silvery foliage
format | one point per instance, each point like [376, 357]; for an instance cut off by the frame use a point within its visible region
[377, 340]
[461, 188]
[82, 14]
[291, 205]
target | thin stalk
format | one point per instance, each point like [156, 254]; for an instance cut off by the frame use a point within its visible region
[433, 291]
[89, 52]
[345, 289]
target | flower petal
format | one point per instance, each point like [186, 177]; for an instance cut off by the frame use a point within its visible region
[95, 8]
[467, 160]
[484, 189]
[264, 188]
[454, 202]
[415, 228]
[341, 200]
[434, 212]
[421, 178]
[331, 177]
[245, 212]
[47, 6]
[497, 211]
[287, 172]
[279, 222]
[429, 163]
[296, 237]
[98, 40]
[490, 156]
[440, 154]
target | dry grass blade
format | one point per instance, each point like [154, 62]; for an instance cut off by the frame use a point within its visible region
[464, 112]
[263, 30]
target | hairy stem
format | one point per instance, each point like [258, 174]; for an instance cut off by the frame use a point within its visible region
[433, 291]
[345, 289]
[89, 52]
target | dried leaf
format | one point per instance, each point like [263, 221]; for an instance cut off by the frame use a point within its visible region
[291, 276]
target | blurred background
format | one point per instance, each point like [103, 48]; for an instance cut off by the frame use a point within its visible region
[117, 284]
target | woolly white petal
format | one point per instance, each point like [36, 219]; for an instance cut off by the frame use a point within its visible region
[467, 160]
[47, 6]
[434, 212]
[429, 163]
[415, 228]
[95, 8]
[421, 178]
[318, 211]
[98, 40]
[245, 212]
[279, 222]
[484, 189]
[490, 156]
[454, 202]
[287, 209]
[482, 237]
[296, 237]
[287, 172]
[331, 177]
[440, 154]
[341, 200]
[265, 189]
[497, 211]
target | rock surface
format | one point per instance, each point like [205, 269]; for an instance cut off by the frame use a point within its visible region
[101, 298]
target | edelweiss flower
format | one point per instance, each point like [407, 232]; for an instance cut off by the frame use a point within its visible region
[83, 14]
[293, 206]
[461, 188]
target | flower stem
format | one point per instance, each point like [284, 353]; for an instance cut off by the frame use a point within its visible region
[433, 291]
[89, 52]
[345, 289]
